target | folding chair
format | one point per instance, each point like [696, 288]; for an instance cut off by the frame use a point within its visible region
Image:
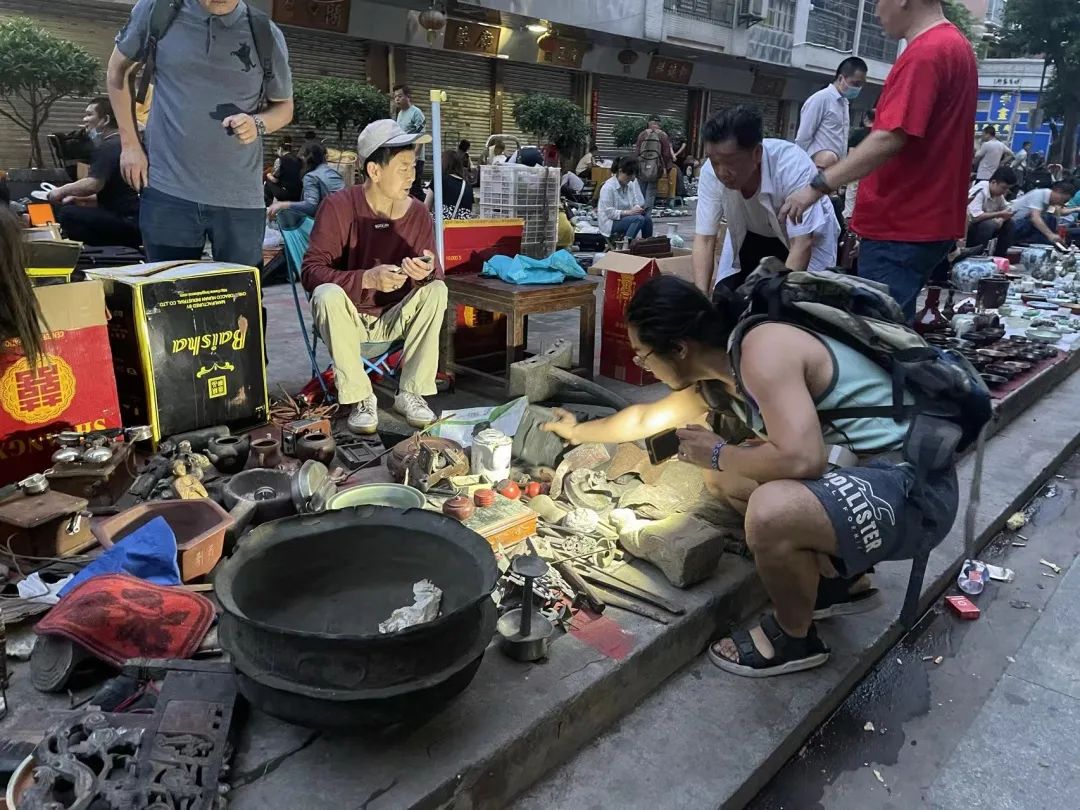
[296, 233]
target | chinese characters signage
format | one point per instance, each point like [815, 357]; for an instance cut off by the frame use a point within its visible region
[326, 15]
[1006, 81]
[565, 53]
[665, 69]
[471, 37]
[1003, 113]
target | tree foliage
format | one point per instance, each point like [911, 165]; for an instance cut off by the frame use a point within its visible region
[627, 129]
[37, 69]
[957, 13]
[343, 104]
[553, 120]
[1048, 27]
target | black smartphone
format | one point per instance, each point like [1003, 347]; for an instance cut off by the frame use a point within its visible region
[662, 446]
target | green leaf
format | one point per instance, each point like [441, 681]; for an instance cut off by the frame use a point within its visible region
[626, 129]
[344, 104]
[553, 120]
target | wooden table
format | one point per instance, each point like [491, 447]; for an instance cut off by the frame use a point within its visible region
[518, 302]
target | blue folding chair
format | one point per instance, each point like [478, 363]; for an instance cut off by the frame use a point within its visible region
[296, 234]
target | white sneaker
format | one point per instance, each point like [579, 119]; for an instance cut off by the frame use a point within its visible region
[364, 418]
[414, 409]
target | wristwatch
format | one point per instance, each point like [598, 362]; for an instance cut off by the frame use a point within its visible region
[260, 126]
[819, 184]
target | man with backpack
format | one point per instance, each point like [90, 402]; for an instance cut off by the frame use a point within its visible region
[655, 159]
[833, 428]
[221, 77]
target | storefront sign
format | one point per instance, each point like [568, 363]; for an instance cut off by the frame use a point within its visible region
[764, 85]
[1006, 81]
[1002, 112]
[665, 69]
[470, 37]
[326, 15]
[563, 53]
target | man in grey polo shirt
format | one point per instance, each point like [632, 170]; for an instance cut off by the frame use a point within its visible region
[205, 135]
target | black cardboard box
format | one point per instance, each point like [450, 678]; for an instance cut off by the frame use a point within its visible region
[187, 343]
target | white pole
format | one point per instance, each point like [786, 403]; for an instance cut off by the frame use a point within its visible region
[437, 99]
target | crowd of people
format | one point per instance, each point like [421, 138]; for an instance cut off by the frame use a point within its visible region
[823, 500]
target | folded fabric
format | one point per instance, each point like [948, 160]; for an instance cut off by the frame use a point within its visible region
[148, 553]
[554, 269]
[117, 617]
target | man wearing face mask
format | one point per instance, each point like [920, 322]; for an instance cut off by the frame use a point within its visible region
[825, 119]
[114, 219]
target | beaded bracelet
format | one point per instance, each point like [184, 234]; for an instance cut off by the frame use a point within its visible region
[720, 445]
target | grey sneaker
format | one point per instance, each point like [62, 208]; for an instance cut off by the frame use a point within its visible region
[414, 409]
[364, 418]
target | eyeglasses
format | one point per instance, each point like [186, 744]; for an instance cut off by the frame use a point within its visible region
[642, 360]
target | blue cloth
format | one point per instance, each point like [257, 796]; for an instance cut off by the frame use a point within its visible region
[148, 553]
[903, 266]
[177, 230]
[554, 269]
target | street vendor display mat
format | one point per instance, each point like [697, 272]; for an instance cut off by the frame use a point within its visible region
[187, 342]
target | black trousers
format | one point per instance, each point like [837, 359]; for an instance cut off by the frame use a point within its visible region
[417, 189]
[99, 227]
[754, 248]
[980, 233]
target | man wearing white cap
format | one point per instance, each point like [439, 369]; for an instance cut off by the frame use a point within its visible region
[374, 277]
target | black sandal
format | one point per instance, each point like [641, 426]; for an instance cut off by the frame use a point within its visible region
[790, 654]
[835, 598]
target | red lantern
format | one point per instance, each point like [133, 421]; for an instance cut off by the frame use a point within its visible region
[626, 58]
[433, 21]
[548, 43]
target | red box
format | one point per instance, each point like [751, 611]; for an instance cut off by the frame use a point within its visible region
[468, 243]
[624, 276]
[75, 391]
[963, 607]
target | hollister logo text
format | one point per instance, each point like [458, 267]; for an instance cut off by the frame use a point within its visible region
[864, 509]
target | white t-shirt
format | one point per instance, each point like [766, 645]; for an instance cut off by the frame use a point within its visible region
[989, 156]
[785, 168]
[980, 201]
[1037, 199]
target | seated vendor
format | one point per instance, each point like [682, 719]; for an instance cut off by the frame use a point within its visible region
[373, 276]
[114, 219]
[1033, 222]
[621, 210]
[989, 215]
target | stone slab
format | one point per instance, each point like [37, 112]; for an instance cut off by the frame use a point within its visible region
[1052, 651]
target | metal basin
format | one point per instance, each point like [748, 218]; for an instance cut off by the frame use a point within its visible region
[270, 490]
[303, 597]
[397, 496]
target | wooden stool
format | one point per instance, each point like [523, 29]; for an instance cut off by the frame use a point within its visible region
[518, 302]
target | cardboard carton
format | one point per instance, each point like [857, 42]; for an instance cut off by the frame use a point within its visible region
[187, 344]
[74, 389]
[624, 275]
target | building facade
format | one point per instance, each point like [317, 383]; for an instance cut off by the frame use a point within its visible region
[1009, 91]
[679, 58]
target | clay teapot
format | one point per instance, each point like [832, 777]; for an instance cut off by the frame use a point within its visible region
[229, 454]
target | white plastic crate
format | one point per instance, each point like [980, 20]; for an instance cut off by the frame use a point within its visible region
[522, 192]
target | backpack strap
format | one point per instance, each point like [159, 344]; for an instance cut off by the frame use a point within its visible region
[162, 16]
[262, 34]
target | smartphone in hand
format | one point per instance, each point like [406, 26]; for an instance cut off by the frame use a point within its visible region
[662, 446]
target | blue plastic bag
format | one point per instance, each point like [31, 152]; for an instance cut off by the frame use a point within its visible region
[148, 553]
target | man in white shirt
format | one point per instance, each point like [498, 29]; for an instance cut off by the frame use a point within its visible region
[621, 210]
[825, 120]
[745, 180]
[989, 215]
[1034, 225]
[991, 154]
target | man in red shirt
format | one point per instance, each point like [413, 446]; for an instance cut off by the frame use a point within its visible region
[373, 276]
[916, 162]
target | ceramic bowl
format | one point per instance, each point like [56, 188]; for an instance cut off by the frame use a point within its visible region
[1017, 366]
[1044, 335]
[993, 380]
[1001, 370]
[994, 354]
[1027, 298]
[1043, 305]
[1073, 308]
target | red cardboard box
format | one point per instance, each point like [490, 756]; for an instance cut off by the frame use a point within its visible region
[624, 274]
[471, 242]
[76, 390]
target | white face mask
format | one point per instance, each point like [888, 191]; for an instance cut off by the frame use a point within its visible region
[850, 93]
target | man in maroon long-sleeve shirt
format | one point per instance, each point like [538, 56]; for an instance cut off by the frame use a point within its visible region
[373, 276]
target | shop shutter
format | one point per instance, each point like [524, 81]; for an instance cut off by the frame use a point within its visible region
[769, 108]
[467, 81]
[521, 79]
[92, 25]
[314, 55]
[630, 97]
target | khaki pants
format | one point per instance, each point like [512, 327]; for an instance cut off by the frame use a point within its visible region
[418, 319]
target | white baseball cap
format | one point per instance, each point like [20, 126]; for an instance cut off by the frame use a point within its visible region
[385, 132]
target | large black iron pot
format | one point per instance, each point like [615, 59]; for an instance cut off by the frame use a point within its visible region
[303, 597]
[415, 701]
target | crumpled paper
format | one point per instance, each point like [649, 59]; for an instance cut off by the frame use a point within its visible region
[34, 589]
[427, 598]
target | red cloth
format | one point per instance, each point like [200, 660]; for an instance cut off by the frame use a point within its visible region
[117, 617]
[349, 238]
[921, 194]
